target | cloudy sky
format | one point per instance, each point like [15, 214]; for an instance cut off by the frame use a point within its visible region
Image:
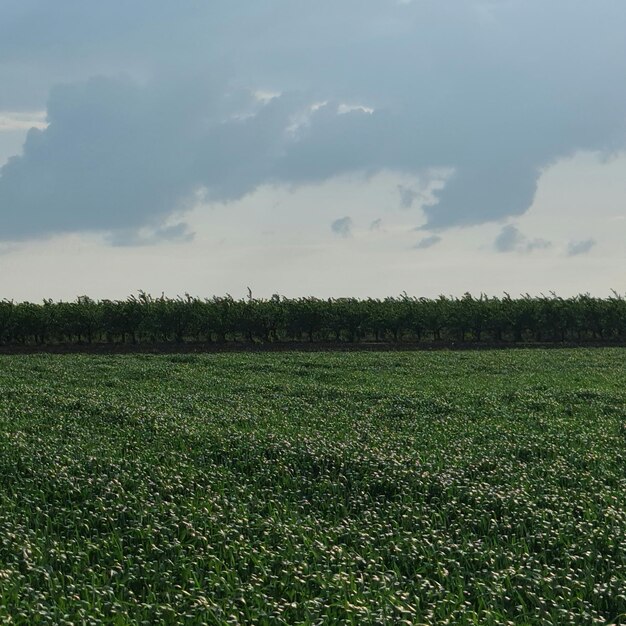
[328, 148]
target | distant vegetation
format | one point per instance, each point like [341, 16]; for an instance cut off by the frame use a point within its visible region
[145, 319]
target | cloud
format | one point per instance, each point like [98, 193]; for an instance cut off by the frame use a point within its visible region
[510, 239]
[119, 156]
[22, 120]
[407, 196]
[176, 233]
[342, 227]
[427, 242]
[137, 127]
[538, 244]
[376, 224]
[576, 248]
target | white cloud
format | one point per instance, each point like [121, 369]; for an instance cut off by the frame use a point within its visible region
[296, 118]
[265, 96]
[581, 198]
[279, 240]
[22, 120]
[343, 108]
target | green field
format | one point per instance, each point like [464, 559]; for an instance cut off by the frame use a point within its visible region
[360, 488]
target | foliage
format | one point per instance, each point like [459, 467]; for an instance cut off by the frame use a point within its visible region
[144, 319]
[388, 488]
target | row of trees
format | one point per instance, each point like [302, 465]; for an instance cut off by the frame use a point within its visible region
[144, 319]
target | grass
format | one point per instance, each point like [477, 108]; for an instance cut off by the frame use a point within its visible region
[362, 488]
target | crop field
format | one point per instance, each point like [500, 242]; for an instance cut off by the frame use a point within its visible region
[321, 488]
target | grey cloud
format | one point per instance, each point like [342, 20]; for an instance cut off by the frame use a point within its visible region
[118, 156]
[342, 227]
[407, 196]
[176, 233]
[427, 242]
[481, 194]
[576, 248]
[538, 244]
[510, 239]
[448, 88]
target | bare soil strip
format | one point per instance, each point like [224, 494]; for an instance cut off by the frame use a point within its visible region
[289, 346]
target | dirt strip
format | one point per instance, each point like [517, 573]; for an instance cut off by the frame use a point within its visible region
[280, 346]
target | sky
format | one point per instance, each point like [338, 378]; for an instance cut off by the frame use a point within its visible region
[330, 148]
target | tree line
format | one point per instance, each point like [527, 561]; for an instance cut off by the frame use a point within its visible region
[146, 319]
